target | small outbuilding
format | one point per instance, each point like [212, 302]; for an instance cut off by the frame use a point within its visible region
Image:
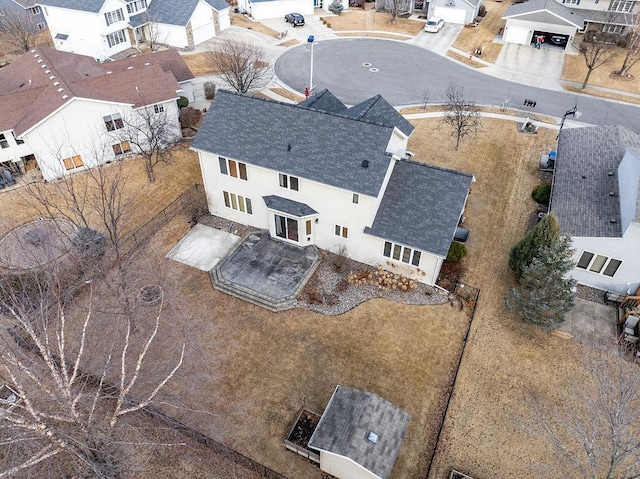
[552, 20]
[359, 435]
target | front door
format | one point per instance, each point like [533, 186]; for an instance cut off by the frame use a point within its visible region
[287, 228]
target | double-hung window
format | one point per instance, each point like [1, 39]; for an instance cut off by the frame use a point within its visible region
[237, 202]
[73, 162]
[121, 148]
[401, 253]
[232, 168]
[289, 182]
[116, 38]
[599, 264]
[113, 122]
[114, 16]
[341, 231]
[3, 141]
[158, 108]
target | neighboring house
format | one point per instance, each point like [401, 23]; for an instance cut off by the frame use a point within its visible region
[608, 16]
[266, 9]
[595, 197]
[65, 112]
[525, 21]
[103, 28]
[462, 12]
[359, 435]
[318, 173]
[29, 8]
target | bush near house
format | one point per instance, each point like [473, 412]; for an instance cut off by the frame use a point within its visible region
[457, 251]
[183, 102]
[541, 194]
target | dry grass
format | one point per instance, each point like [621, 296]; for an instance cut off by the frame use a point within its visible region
[391, 36]
[370, 20]
[242, 21]
[602, 94]
[288, 94]
[464, 59]
[490, 109]
[504, 360]
[289, 43]
[574, 69]
[483, 35]
[199, 64]
[9, 52]
[171, 181]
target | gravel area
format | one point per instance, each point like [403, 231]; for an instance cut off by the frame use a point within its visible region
[228, 226]
[590, 294]
[328, 291]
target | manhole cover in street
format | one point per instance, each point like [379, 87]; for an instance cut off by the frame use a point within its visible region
[366, 64]
[374, 70]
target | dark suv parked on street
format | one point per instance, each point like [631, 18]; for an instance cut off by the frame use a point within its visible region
[294, 19]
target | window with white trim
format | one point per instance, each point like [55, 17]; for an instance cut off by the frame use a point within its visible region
[237, 202]
[40, 25]
[19, 141]
[116, 38]
[137, 5]
[355, 199]
[599, 264]
[121, 148]
[232, 168]
[613, 28]
[114, 16]
[158, 108]
[625, 6]
[113, 122]
[287, 181]
[401, 253]
[571, 2]
[35, 9]
[342, 231]
[3, 141]
[73, 162]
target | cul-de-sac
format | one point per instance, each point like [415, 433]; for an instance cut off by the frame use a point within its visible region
[314, 239]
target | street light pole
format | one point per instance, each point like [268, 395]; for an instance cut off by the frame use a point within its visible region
[310, 40]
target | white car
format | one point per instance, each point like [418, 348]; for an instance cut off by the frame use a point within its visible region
[434, 24]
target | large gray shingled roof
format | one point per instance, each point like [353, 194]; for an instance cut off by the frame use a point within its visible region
[421, 206]
[347, 421]
[586, 171]
[93, 6]
[323, 147]
[530, 7]
[178, 13]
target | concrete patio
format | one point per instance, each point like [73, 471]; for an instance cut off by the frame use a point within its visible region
[592, 324]
[265, 271]
[203, 247]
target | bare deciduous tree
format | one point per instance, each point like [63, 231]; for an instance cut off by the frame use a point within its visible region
[242, 64]
[150, 131]
[595, 432]
[396, 7]
[153, 34]
[632, 50]
[71, 385]
[20, 28]
[460, 113]
[597, 52]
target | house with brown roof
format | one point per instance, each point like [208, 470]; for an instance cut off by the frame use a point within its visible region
[63, 112]
[103, 28]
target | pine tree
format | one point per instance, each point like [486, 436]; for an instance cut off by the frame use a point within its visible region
[545, 233]
[544, 295]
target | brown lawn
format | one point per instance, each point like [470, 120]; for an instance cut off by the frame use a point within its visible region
[288, 94]
[602, 94]
[465, 59]
[199, 64]
[240, 20]
[8, 51]
[482, 36]
[370, 20]
[574, 69]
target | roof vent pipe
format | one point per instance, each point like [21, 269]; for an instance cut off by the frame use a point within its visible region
[365, 163]
[612, 193]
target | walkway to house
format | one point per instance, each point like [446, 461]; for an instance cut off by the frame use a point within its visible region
[266, 272]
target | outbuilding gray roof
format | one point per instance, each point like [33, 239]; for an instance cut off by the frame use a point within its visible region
[290, 207]
[347, 421]
[574, 17]
[421, 206]
[586, 171]
[93, 6]
[322, 147]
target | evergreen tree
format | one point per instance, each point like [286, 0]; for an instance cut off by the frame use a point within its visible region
[545, 233]
[544, 295]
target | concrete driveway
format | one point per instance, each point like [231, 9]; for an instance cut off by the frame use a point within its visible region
[438, 42]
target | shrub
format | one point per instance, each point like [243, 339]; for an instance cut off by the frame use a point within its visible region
[541, 194]
[457, 251]
[190, 117]
[183, 102]
[209, 90]
[89, 243]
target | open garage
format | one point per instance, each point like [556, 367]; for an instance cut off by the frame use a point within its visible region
[547, 18]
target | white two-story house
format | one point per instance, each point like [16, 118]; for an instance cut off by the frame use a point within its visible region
[64, 112]
[596, 199]
[31, 12]
[319, 173]
[103, 28]
[607, 16]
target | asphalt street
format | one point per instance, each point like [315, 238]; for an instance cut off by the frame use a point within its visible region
[358, 68]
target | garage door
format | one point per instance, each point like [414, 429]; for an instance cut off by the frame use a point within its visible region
[451, 14]
[521, 35]
[204, 32]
